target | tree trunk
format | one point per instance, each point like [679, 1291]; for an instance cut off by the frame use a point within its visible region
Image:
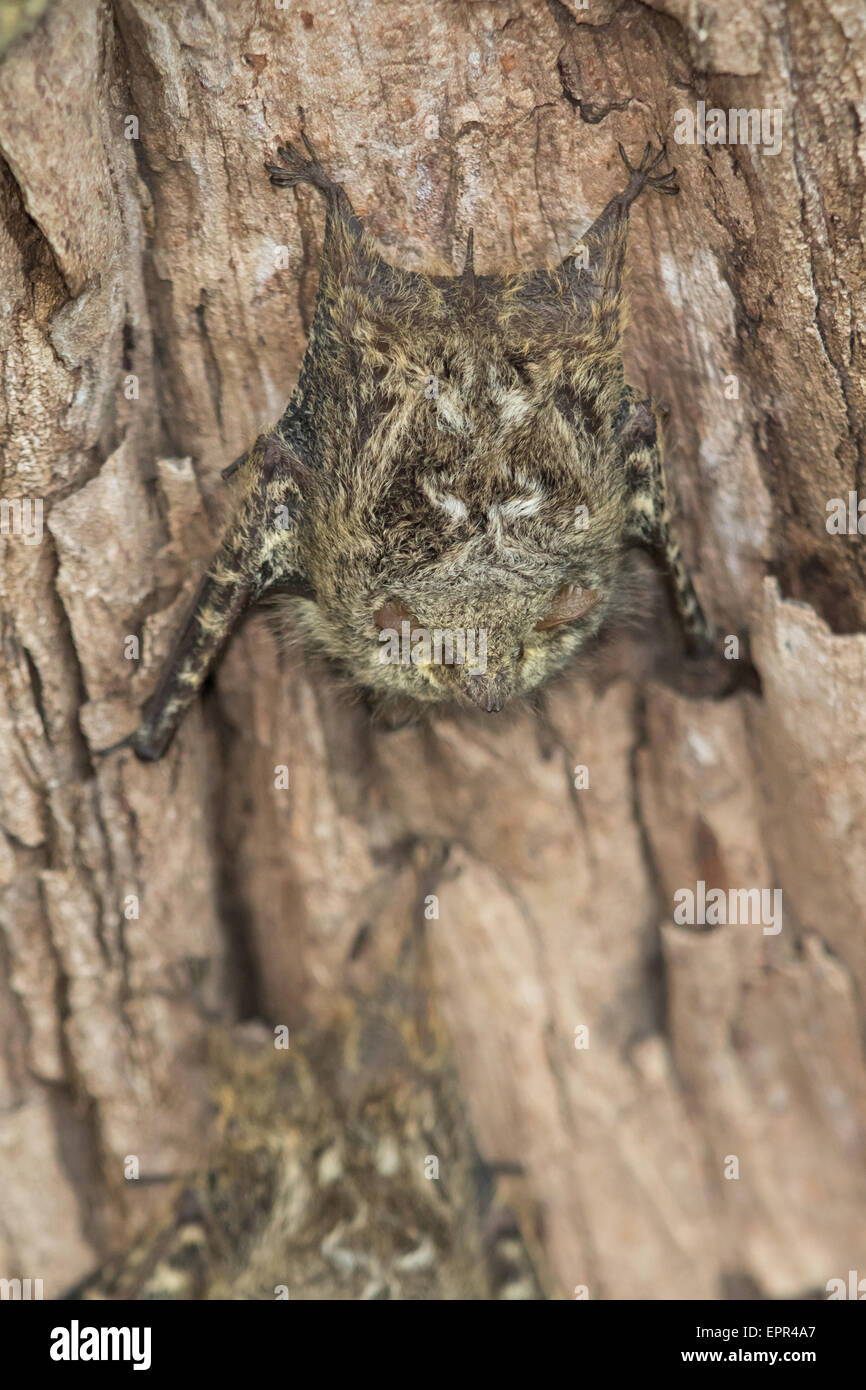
[677, 1112]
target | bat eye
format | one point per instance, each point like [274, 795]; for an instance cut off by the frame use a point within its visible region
[570, 603]
[391, 615]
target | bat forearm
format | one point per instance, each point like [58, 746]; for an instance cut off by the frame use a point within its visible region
[209, 623]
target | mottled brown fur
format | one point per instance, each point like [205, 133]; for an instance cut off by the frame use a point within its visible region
[442, 437]
[342, 1168]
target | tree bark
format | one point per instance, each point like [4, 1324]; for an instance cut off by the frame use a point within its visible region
[150, 329]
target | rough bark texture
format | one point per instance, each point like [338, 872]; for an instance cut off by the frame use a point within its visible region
[153, 257]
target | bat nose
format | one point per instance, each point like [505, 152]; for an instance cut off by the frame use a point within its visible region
[488, 692]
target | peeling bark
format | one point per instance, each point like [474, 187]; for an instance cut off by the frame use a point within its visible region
[147, 335]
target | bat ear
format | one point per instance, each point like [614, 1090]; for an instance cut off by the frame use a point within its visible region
[568, 605]
[391, 615]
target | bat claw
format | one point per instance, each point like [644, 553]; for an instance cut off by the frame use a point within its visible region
[310, 148]
[643, 176]
[297, 167]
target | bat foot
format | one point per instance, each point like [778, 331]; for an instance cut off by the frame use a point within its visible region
[644, 176]
[299, 166]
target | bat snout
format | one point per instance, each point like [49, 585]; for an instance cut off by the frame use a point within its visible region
[489, 692]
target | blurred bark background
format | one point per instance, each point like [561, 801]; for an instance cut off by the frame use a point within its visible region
[149, 329]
